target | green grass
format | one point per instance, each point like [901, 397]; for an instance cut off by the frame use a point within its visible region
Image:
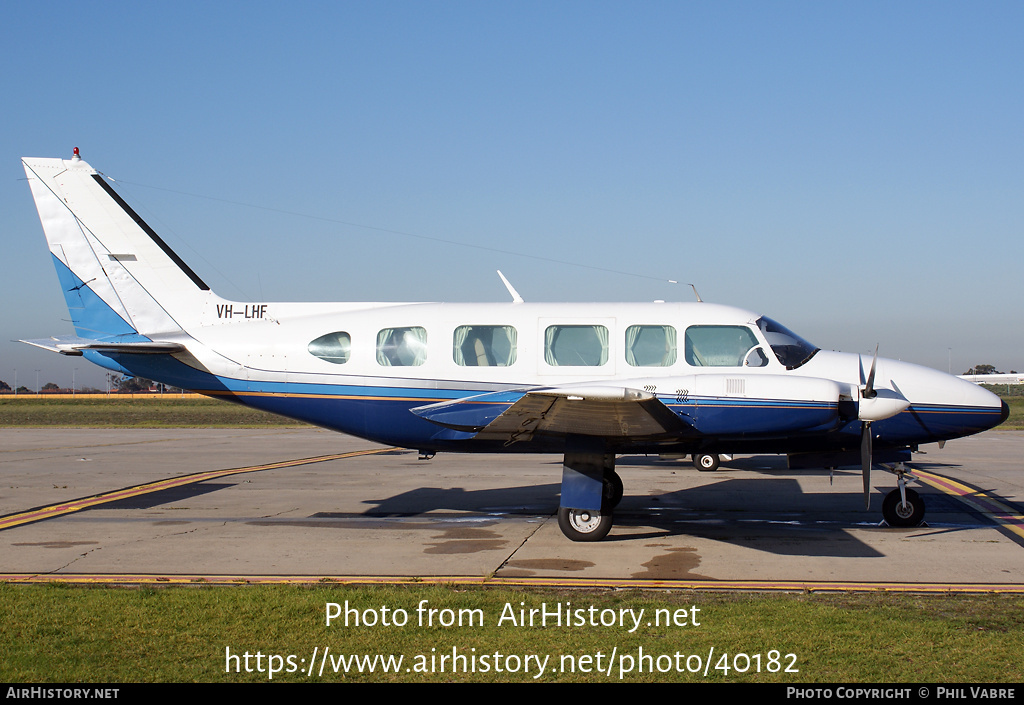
[72, 634]
[1016, 418]
[115, 412]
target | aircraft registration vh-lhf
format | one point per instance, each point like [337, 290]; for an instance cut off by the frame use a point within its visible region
[589, 381]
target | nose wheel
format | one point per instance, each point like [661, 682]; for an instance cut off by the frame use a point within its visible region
[903, 506]
[898, 512]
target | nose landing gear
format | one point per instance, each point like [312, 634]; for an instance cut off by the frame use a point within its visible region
[903, 506]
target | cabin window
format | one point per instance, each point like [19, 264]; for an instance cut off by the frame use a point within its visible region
[402, 347]
[718, 346]
[484, 346]
[651, 346]
[333, 347]
[575, 346]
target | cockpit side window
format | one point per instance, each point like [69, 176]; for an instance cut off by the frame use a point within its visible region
[333, 347]
[790, 348]
[718, 346]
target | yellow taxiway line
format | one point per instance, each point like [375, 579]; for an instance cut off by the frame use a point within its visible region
[498, 581]
[999, 512]
[77, 505]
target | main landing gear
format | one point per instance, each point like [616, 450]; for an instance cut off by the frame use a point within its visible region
[591, 489]
[706, 462]
[584, 524]
[903, 506]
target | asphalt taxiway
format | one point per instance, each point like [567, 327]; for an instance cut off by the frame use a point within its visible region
[307, 502]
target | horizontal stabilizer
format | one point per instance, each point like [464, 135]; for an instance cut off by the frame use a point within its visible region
[71, 345]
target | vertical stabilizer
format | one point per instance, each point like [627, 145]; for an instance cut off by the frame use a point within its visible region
[119, 278]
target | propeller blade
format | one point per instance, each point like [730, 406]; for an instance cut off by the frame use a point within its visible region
[865, 460]
[869, 388]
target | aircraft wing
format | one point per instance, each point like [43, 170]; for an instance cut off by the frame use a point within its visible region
[609, 411]
[70, 345]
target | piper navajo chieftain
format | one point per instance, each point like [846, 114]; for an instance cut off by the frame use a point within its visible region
[589, 381]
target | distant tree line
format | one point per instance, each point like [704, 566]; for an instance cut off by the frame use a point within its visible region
[117, 383]
[987, 370]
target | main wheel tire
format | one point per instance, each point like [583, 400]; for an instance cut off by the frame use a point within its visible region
[706, 462]
[584, 524]
[613, 490]
[896, 514]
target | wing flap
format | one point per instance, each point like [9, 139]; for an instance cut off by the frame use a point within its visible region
[607, 411]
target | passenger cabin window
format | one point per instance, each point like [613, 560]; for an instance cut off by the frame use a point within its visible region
[576, 346]
[484, 346]
[402, 347]
[718, 346]
[651, 346]
[333, 347]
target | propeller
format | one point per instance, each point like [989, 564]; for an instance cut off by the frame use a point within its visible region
[875, 405]
[865, 433]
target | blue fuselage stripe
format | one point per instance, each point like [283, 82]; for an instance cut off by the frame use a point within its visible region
[382, 413]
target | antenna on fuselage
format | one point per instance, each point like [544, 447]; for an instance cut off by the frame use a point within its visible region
[692, 286]
[516, 298]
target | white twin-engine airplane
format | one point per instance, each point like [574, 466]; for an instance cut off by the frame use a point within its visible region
[589, 381]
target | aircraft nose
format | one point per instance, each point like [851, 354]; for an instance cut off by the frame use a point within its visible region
[948, 407]
[984, 403]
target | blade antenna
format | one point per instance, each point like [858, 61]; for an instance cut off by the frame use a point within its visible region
[516, 298]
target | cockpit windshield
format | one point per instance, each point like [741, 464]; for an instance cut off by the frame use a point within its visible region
[790, 348]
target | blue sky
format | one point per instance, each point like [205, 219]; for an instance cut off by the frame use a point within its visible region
[854, 170]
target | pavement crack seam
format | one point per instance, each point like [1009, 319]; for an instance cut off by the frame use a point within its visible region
[511, 555]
